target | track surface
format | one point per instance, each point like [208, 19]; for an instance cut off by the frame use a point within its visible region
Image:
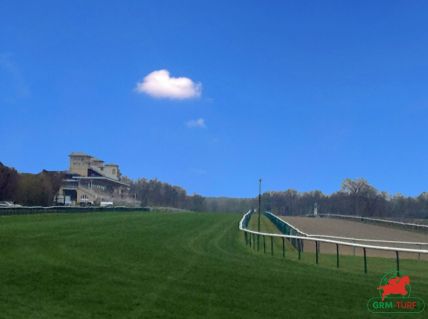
[355, 229]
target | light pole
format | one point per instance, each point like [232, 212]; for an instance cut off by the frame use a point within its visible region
[260, 202]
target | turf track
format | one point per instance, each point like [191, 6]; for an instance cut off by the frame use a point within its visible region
[186, 265]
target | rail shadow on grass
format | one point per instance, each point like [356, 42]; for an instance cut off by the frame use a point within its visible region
[157, 265]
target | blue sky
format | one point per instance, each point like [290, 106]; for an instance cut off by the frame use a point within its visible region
[301, 93]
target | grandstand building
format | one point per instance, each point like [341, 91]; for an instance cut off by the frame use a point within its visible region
[89, 182]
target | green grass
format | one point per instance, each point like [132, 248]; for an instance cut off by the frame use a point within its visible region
[184, 265]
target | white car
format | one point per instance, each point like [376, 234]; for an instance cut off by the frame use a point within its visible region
[8, 204]
[106, 204]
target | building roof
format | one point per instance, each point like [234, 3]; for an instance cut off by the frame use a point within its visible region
[79, 154]
[111, 165]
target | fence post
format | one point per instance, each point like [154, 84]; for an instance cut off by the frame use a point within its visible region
[271, 245]
[245, 238]
[316, 252]
[254, 241]
[249, 240]
[337, 255]
[365, 260]
[419, 254]
[258, 242]
[398, 263]
[264, 244]
[283, 247]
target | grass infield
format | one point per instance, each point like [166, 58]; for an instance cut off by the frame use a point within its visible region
[184, 265]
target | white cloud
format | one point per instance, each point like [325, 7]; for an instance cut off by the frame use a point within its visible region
[198, 123]
[160, 84]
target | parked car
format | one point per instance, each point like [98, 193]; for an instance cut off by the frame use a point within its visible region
[9, 204]
[86, 203]
[106, 204]
[6, 204]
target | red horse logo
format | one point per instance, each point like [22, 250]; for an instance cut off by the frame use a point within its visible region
[395, 286]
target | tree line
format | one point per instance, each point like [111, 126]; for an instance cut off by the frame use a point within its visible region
[29, 189]
[155, 193]
[355, 197]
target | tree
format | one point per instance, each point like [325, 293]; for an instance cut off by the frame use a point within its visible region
[362, 194]
[8, 183]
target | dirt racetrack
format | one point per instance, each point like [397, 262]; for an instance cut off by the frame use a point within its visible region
[356, 229]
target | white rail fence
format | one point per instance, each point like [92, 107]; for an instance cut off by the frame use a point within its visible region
[378, 220]
[419, 245]
[27, 210]
[252, 239]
